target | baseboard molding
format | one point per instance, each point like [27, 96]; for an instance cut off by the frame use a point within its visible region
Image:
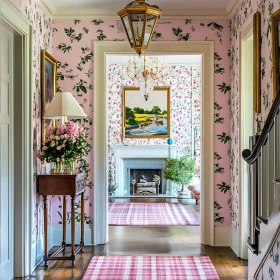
[57, 234]
[223, 235]
[235, 241]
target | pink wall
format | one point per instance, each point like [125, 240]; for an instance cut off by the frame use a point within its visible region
[73, 47]
[247, 7]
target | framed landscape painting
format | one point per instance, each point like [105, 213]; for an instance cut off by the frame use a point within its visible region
[146, 119]
[48, 87]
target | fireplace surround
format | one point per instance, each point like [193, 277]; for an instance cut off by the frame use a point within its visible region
[141, 157]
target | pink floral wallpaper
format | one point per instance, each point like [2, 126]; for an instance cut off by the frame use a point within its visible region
[247, 7]
[73, 47]
[185, 90]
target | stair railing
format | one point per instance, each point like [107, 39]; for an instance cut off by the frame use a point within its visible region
[263, 158]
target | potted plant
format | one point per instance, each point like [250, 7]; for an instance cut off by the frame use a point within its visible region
[180, 171]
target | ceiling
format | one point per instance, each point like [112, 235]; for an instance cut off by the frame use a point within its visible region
[109, 8]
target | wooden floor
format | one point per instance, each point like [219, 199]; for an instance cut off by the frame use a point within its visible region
[143, 240]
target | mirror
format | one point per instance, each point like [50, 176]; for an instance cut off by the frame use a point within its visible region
[275, 25]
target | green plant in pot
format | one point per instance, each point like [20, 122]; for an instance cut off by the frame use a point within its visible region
[180, 171]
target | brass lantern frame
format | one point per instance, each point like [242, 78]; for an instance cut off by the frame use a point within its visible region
[145, 10]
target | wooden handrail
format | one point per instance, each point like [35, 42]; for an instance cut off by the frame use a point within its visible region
[251, 156]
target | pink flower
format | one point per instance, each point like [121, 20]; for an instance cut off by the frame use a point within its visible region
[58, 159]
[72, 129]
[58, 148]
[61, 136]
[49, 130]
[52, 137]
[81, 132]
[57, 137]
[52, 144]
[61, 129]
[45, 148]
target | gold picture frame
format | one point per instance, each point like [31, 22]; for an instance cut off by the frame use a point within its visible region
[48, 87]
[257, 63]
[275, 29]
[146, 118]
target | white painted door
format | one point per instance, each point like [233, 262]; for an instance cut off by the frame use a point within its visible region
[6, 156]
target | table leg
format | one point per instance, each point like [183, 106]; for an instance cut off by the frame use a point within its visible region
[73, 229]
[82, 220]
[46, 229]
[64, 222]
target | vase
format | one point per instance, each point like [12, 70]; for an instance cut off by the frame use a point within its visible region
[72, 167]
[58, 168]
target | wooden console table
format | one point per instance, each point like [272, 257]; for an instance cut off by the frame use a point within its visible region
[72, 185]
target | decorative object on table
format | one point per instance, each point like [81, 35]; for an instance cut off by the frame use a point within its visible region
[48, 86]
[64, 145]
[275, 29]
[112, 186]
[139, 20]
[152, 214]
[195, 192]
[144, 71]
[180, 171]
[169, 141]
[146, 119]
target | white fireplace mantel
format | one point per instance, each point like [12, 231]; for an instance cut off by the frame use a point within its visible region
[145, 151]
[122, 152]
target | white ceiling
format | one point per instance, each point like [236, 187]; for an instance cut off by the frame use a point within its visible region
[170, 8]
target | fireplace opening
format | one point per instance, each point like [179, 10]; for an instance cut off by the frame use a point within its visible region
[145, 181]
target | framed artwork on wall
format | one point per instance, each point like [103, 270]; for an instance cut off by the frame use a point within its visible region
[146, 118]
[275, 36]
[48, 87]
[257, 62]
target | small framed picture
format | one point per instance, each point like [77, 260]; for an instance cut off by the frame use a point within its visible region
[48, 87]
[146, 118]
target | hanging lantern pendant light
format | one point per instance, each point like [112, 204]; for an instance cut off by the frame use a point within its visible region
[139, 20]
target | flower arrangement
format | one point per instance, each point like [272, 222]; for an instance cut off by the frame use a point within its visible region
[65, 144]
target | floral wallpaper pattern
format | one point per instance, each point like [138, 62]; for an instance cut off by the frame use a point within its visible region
[185, 88]
[247, 8]
[73, 47]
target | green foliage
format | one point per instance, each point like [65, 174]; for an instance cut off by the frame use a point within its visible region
[223, 187]
[218, 118]
[215, 26]
[86, 30]
[188, 21]
[156, 110]
[224, 138]
[217, 106]
[138, 110]
[157, 35]
[97, 22]
[180, 170]
[129, 113]
[224, 88]
[131, 120]
[64, 48]
[217, 57]
[218, 168]
[164, 112]
[186, 37]
[219, 69]
[177, 31]
[80, 87]
[217, 156]
[77, 21]
[101, 36]
[69, 31]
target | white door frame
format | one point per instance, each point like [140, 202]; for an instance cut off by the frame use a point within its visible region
[246, 109]
[100, 190]
[23, 209]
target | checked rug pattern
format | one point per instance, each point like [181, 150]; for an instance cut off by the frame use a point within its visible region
[152, 214]
[150, 268]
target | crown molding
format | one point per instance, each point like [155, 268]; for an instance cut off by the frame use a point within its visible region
[47, 7]
[232, 8]
[70, 13]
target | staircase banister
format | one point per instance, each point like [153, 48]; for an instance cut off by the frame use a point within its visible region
[251, 156]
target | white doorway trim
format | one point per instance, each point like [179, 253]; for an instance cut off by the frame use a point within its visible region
[206, 49]
[24, 190]
[246, 122]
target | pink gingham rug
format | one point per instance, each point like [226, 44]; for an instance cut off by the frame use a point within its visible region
[150, 268]
[152, 214]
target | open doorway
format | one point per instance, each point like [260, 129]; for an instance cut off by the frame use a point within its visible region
[15, 144]
[142, 123]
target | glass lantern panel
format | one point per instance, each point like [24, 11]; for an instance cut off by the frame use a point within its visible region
[128, 29]
[137, 23]
[150, 22]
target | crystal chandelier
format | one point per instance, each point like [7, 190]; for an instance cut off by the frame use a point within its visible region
[145, 71]
[139, 20]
